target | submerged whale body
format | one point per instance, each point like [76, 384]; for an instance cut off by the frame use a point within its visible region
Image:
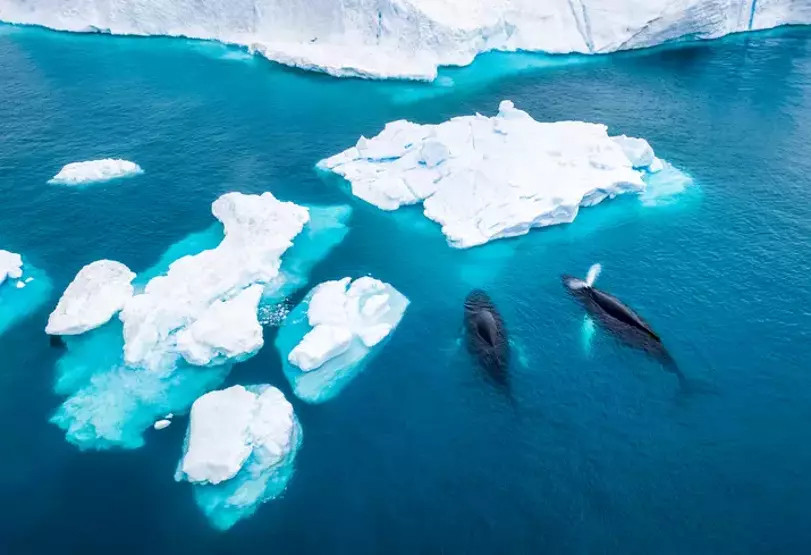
[620, 320]
[486, 335]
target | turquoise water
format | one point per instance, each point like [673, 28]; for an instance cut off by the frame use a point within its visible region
[591, 449]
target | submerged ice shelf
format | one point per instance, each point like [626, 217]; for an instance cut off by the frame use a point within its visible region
[486, 178]
[95, 171]
[239, 450]
[23, 289]
[411, 38]
[328, 338]
[193, 314]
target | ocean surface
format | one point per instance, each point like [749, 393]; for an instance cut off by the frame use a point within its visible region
[592, 447]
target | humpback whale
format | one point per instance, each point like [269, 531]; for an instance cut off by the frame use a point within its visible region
[486, 335]
[618, 319]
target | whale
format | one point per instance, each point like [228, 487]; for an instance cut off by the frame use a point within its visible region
[617, 318]
[486, 336]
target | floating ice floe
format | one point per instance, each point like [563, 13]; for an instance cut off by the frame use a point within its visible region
[326, 340]
[486, 178]
[193, 315]
[94, 171]
[17, 298]
[95, 295]
[411, 38]
[239, 450]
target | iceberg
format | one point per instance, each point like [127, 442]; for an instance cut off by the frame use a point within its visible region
[23, 289]
[239, 450]
[95, 171]
[486, 178]
[95, 295]
[411, 38]
[194, 313]
[330, 335]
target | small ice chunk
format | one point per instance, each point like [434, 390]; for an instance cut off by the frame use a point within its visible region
[239, 450]
[95, 295]
[226, 330]
[328, 336]
[321, 343]
[94, 171]
[161, 424]
[29, 279]
[20, 284]
[638, 151]
[11, 266]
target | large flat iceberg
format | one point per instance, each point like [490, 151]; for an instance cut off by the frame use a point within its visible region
[411, 38]
[486, 178]
[326, 340]
[95, 295]
[95, 171]
[193, 314]
[239, 450]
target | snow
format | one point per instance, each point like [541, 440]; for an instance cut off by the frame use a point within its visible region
[228, 329]
[326, 340]
[411, 38]
[488, 178]
[179, 307]
[95, 171]
[243, 439]
[11, 266]
[95, 295]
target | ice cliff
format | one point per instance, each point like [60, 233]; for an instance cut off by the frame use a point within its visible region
[239, 450]
[486, 178]
[325, 341]
[411, 38]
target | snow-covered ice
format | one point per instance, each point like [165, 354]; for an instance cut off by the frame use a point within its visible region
[11, 266]
[205, 316]
[95, 295]
[486, 178]
[94, 171]
[258, 230]
[326, 339]
[411, 38]
[228, 329]
[239, 450]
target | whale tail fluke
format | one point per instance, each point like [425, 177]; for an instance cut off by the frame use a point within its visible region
[594, 273]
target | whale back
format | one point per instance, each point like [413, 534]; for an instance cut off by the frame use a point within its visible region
[619, 311]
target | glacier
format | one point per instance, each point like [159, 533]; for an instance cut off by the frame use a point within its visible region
[411, 38]
[484, 178]
[193, 314]
[23, 289]
[328, 338]
[239, 450]
[95, 171]
[95, 295]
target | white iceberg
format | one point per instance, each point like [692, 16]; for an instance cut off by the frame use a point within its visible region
[239, 450]
[110, 402]
[487, 178]
[411, 38]
[228, 329]
[258, 230]
[11, 266]
[95, 171]
[95, 295]
[326, 340]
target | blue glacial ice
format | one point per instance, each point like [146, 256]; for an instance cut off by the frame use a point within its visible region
[239, 450]
[485, 178]
[330, 336]
[193, 315]
[23, 289]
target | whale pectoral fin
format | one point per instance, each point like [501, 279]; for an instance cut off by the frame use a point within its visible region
[587, 334]
[520, 352]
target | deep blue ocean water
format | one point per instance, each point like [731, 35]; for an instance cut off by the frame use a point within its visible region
[589, 452]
